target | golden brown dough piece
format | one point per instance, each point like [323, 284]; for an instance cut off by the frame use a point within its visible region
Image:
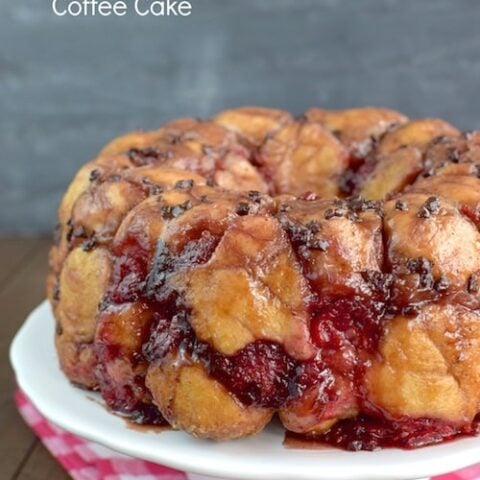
[211, 274]
[340, 244]
[162, 237]
[303, 157]
[201, 147]
[358, 128]
[254, 124]
[435, 264]
[82, 260]
[430, 365]
[192, 401]
[88, 272]
[399, 156]
[233, 304]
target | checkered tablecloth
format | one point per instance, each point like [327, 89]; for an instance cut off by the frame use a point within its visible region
[85, 460]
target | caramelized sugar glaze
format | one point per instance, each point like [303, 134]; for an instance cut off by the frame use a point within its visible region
[211, 274]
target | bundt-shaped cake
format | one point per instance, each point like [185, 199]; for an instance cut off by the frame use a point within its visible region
[325, 268]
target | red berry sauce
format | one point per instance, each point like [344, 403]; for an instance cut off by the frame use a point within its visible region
[346, 330]
[368, 432]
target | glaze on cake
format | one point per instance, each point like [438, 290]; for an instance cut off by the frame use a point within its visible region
[325, 268]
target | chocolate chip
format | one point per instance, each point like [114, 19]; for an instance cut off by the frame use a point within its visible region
[453, 155]
[329, 213]
[178, 210]
[242, 209]
[94, 175]
[284, 208]
[429, 208]
[433, 205]
[410, 310]
[303, 237]
[152, 188]
[145, 156]
[254, 195]
[56, 291]
[174, 211]
[304, 252]
[184, 184]
[321, 245]
[423, 213]
[401, 205]
[441, 284]
[473, 284]
[428, 172]
[161, 265]
[58, 329]
[423, 267]
[69, 233]
[313, 226]
[380, 281]
[353, 217]
[88, 244]
[103, 305]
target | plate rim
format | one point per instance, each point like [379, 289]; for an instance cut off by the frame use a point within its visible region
[416, 468]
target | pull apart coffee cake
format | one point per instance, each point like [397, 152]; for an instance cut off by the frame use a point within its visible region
[325, 268]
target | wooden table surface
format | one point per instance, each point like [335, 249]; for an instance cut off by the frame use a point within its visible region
[23, 265]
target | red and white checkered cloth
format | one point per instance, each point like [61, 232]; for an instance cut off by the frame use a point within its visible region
[85, 460]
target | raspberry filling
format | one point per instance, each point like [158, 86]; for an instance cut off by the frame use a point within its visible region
[368, 432]
[345, 329]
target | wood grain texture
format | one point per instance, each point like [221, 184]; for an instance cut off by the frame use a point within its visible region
[70, 84]
[40, 465]
[23, 264]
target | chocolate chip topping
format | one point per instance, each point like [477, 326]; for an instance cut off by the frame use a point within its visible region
[429, 208]
[453, 155]
[379, 281]
[243, 208]
[441, 284]
[89, 244]
[94, 175]
[152, 188]
[423, 267]
[184, 184]
[254, 195]
[303, 237]
[174, 211]
[56, 291]
[146, 156]
[284, 208]
[473, 284]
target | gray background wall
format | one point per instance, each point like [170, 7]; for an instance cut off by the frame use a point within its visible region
[67, 85]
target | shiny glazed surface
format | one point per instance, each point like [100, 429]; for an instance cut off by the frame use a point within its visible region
[214, 273]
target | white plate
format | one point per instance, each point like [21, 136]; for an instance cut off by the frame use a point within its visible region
[260, 457]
